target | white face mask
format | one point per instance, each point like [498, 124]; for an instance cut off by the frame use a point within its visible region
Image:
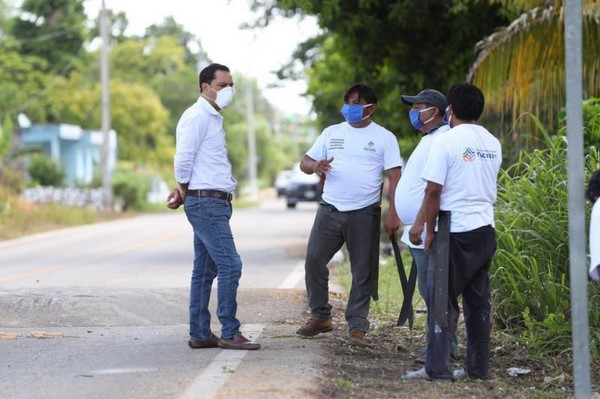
[430, 119]
[224, 97]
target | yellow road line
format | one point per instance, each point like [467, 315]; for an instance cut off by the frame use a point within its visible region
[119, 251]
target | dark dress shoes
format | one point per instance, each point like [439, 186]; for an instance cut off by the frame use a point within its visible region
[238, 342]
[212, 342]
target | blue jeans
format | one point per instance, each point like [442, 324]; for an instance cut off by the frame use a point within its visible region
[422, 261]
[214, 255]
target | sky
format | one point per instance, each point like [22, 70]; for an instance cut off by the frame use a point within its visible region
[253, 53]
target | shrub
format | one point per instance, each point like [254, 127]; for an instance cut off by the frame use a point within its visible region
[530, 273]
[130, 188]
[591, 121]
[45, 172]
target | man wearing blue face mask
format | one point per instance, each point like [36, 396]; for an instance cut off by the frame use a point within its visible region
[427, 117]
[353, 156]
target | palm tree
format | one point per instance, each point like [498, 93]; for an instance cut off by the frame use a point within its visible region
[521, 68]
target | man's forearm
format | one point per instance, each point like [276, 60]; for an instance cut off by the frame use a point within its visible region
[394, 175]
[307, 165]
[431, 203]
[183, 189]
[420, 218]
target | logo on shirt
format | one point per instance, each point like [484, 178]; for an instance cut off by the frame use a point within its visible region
[468, 154]
[370, 146]
[336, 144]
[486, 154]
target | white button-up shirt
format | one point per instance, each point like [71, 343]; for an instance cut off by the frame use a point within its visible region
[201, 153]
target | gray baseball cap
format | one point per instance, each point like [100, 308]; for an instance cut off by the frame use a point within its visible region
[428, 96]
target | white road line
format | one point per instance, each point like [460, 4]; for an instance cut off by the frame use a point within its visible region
[294, 277]
[214, 376]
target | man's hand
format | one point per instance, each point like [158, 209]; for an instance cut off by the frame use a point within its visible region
[415, 233]
[391, 225]
[323, 166]
[174, 200]
[428, 241]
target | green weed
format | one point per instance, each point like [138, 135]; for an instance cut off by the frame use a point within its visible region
[530, 272]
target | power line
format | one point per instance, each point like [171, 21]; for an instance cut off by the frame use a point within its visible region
[45, 37]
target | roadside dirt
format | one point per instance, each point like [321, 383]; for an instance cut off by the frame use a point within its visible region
[376, 372]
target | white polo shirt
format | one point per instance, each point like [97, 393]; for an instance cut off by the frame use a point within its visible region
[201, 153]
[466, 161]
[411, 188]
[360, 156]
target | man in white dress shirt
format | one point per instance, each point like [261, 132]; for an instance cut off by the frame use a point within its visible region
[205, 187]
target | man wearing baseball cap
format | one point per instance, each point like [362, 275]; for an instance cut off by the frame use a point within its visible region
[427, 117]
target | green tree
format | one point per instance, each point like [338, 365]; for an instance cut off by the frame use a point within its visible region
[272, 156]
[142, 60]
[22, 80]
[117, 22]
[6, 135]
[4, 17]
[177, 91]
[521, 67]
[53, 30]
[137, 115]
[399, 46]
[193, 51]
[141, 120]
[158, 62]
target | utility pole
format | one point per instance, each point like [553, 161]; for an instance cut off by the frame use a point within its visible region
[577, 237]
[107, 192]
[251, 141]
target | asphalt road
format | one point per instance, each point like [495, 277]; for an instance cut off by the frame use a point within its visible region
[100, 311]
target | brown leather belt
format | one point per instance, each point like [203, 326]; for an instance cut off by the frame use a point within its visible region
[211, 193]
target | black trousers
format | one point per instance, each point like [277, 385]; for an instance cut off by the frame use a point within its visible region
[470, 257]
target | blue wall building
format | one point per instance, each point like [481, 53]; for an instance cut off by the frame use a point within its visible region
[78, 150]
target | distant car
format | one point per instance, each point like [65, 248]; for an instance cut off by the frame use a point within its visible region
[282, 181]
[302, 187]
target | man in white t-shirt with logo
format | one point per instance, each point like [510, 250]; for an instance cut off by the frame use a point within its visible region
[427, 117]
[353, 156]
[461, 174]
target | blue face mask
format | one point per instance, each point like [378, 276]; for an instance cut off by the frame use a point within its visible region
[353, 113]
[446, 117]
[414, 114]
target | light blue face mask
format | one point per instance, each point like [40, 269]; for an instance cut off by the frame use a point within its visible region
[414, 114]
[353, 113]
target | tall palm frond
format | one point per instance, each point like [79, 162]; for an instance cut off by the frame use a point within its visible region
[521, 68]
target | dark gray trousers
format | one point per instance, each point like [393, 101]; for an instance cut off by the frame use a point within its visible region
[471, 254]
[330, 231]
